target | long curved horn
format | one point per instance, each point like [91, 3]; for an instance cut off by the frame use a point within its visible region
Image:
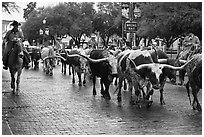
[165, 61]
[162, 60]
[144, 66]
[177, 68]
[60, 57]
[73, 55]
[48, 57]
[92, 60]
[182, 61]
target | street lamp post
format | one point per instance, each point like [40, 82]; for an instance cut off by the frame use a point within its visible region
[131, 20]
[43, 31]
[44, 22]
[131, 24]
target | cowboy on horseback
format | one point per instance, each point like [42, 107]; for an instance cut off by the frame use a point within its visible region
[190, 44]
[13, 37]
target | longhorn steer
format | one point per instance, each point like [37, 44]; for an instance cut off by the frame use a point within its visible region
[159, 56]
[48, 57]
[78, 64]
[35, 57]
[194, 72]
[102, 64]
[64, 53]
[138, 68]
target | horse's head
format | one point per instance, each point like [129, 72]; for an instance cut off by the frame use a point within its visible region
[18, 48]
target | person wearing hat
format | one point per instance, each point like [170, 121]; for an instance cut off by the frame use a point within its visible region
[10, 38]
[190, 44]
[191, 40]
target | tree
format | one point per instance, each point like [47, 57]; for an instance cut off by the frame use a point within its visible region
[107, 21]
[170, 20]
[73, 19]
[30, 8]
[9, 7]
[34, 23]
[80, 16]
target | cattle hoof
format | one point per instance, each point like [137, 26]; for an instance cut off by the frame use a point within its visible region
[17, 93]
[119, 104]
[180, 84]
[162, 103]
[139, 105]
[194, 108]
[199, 108]
[107, 97]
[149, 104]
[84, 82]
[119, 99]
[94, 93]
[12, 86]
[125, 87]
[132, 102]
[13, 92]
[80, 84]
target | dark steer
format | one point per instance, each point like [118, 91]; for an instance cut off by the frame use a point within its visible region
[35, 57]
[64, 53]
[194, 72]
[102, 64]
[138, 68]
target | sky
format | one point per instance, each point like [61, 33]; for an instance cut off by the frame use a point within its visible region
[18, 16]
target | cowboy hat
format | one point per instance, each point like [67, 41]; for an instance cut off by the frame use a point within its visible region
[15, 23]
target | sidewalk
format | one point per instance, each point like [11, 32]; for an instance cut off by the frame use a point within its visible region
[7, 104]
[5, 128]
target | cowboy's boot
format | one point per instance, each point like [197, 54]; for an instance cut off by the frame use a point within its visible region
[5, 60]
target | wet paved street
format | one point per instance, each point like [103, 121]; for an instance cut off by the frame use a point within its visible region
[53, 105]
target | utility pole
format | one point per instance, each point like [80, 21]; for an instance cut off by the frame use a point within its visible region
[131, 20]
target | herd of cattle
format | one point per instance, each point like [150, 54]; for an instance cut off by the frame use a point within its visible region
[143, 70]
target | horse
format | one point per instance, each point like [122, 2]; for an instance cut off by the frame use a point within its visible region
[186, 55]
[15, 65]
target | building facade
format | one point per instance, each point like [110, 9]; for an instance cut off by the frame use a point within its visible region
[6, 25]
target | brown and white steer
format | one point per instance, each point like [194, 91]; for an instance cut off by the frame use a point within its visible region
[48, 57]
[138, 67]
